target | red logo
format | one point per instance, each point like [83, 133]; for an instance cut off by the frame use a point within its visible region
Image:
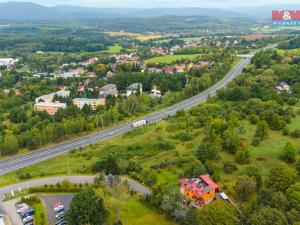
[286, 15]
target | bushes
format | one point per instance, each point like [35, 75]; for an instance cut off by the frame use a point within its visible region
[262, 132]
[242, 157]
[229, 167]
[184, 136]
[55, 189]
[295, 133]
[24, 176]
[289, 153]
[207, 151]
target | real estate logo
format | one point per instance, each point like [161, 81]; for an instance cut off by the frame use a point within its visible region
[286, 17]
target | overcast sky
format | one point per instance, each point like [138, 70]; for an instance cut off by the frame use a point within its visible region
[162, 3]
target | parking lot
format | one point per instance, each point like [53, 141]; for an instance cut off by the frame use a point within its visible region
[50, 201]
[10, 210]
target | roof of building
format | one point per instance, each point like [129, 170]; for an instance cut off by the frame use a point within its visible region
[108, 87]
[52, 104]
[135, 86]
[85, 100]
[200, 185]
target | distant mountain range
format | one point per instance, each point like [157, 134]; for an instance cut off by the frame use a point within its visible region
[25, 11]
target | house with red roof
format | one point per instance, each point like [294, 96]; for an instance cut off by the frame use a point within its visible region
[168, 69]
[200, 190]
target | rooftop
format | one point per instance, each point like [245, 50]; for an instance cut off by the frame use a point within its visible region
[52, 104]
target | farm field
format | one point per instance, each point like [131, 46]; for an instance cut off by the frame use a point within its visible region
[140, 37]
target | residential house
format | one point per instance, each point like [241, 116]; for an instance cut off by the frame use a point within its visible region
[80, 88]
[50, 107]
[180, 68]
[109, 74]
[155, 93]
[8, 61]
[174, 49]
[158, 51]
[201, 190]
[109, 89]
[89, 61]
[134, 88]
[154, 70]
[168, 69]
[283, 87]
[91, 74]
[71, 73]
[50, 97]
[94, 103]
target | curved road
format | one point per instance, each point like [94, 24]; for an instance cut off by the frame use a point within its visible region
[17, 162]
[73, 179]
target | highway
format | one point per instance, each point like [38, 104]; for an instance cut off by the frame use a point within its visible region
[18, 162]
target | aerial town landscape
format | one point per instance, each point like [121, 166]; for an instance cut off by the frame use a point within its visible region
[149, 113]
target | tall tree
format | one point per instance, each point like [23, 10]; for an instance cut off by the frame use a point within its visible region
[87, 208]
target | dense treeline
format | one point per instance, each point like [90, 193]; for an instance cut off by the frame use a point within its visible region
[64, 40]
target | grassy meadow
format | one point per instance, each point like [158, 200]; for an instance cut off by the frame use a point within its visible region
[171, 58]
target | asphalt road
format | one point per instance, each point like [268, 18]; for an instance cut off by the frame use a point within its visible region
[18, 162]
[72, 179]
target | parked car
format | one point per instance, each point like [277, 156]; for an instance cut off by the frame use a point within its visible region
[58, 208]
[27, 213]
[59, 215]
[27, 219]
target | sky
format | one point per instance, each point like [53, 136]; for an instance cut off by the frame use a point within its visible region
[162, 3]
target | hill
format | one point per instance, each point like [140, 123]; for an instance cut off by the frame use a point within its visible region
[25, 11]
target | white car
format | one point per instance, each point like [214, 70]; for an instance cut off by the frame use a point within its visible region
[58, 208]
[27, 219]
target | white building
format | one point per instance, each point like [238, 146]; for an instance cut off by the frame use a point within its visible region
[94, 103]
[50, 97]
[155, 93]
[109, 89]
[8, 61]
[134, 88]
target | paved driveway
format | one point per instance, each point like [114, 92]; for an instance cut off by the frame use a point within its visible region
[50, 200]
[10, 210]
[73, 179]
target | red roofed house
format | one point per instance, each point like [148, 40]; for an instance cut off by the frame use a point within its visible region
[168, 69]
[201, 190]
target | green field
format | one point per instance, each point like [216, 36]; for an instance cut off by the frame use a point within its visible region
[171, 58]
[113, 49]
[133, 212]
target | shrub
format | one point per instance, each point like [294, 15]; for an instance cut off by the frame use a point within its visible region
[242, 156]
[289, 153]
[207, 151]
[229, 167]
[295, 133]
[24, 176]
[256, 141]
[285, 131]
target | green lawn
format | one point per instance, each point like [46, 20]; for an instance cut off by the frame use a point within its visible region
[113, 49]
[171, 58]
[135, 213]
